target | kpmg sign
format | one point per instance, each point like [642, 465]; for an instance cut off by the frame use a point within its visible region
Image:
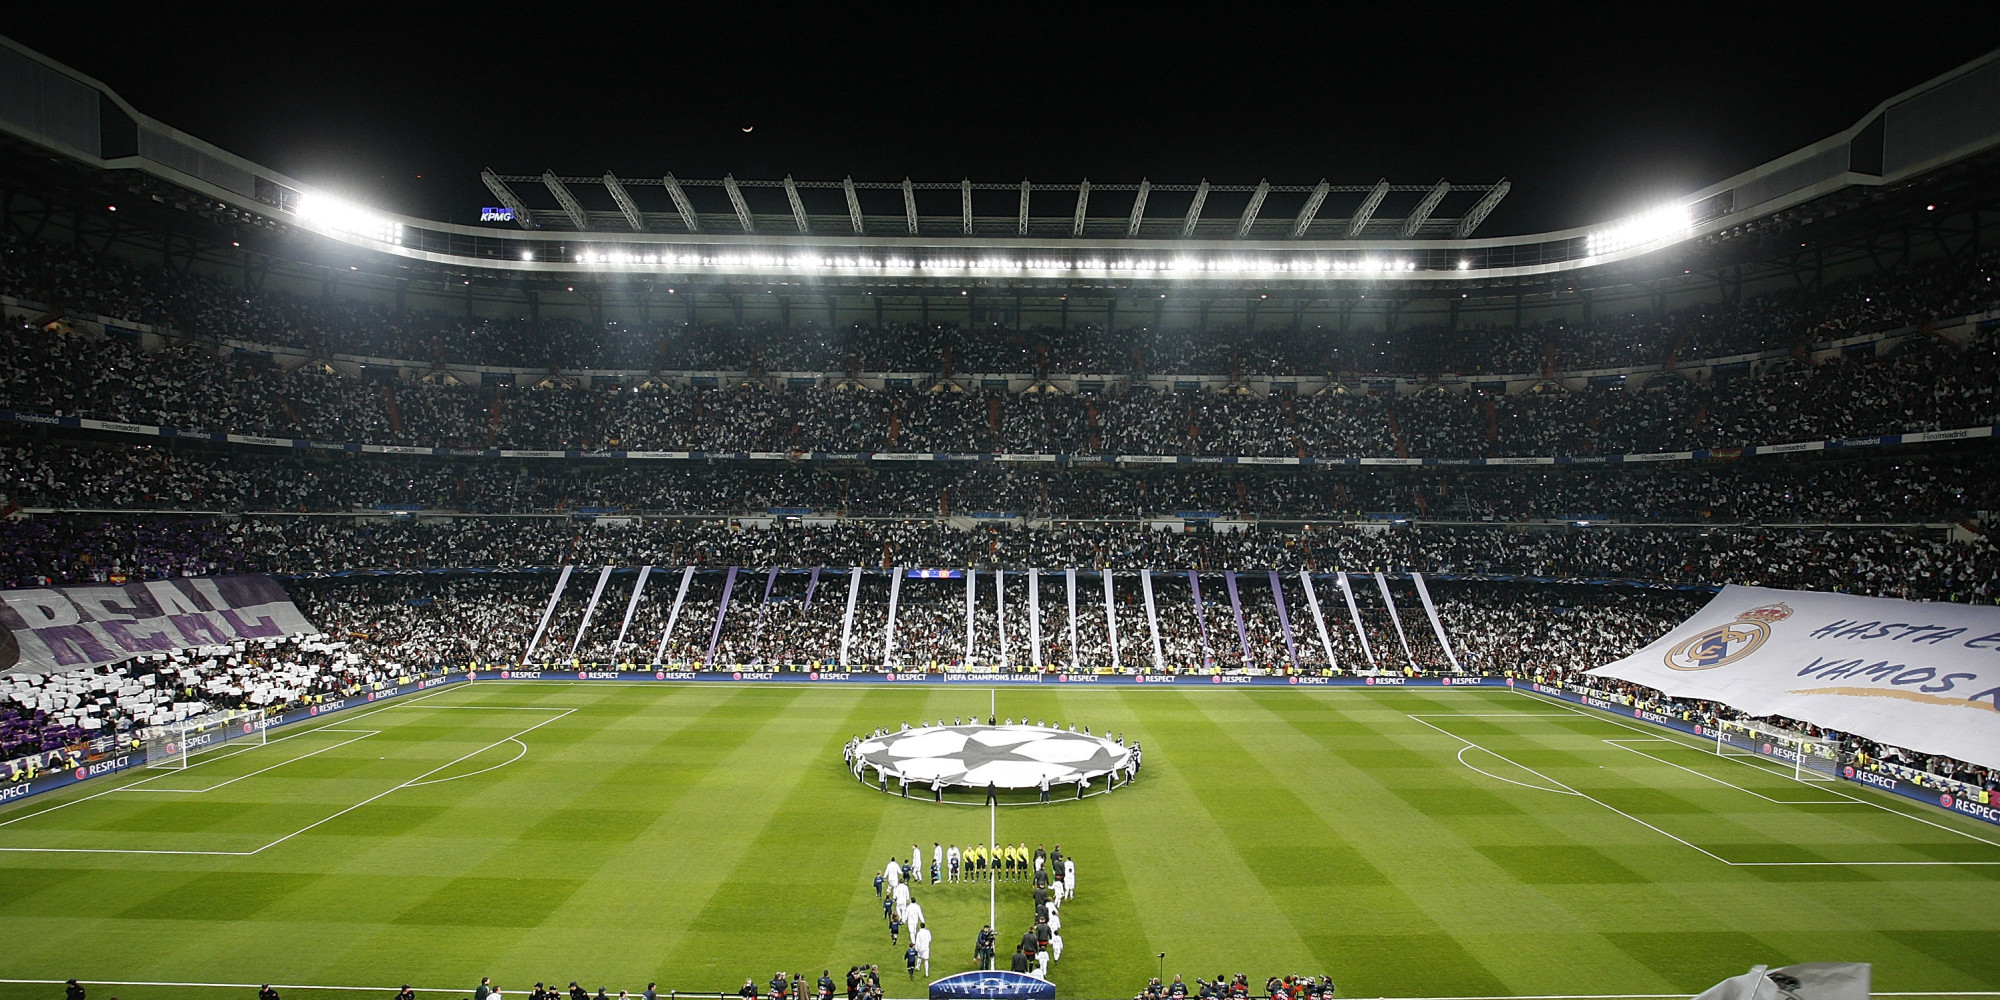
[995, 983]
[493, 214]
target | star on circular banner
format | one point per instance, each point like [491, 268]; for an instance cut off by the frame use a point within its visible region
[1002, 756]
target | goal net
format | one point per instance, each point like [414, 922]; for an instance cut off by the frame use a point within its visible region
[1809, 758]
[174, 744]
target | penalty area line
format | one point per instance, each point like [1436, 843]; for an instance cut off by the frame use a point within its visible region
[413, 782]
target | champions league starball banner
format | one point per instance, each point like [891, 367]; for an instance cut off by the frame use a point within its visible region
[66, 628]
[1912, 674]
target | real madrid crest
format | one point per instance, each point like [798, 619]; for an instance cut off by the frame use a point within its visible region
[1725, 644]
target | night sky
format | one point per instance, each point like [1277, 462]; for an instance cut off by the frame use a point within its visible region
[1592, 111]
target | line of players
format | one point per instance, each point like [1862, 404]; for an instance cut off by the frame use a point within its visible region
[1053, 875]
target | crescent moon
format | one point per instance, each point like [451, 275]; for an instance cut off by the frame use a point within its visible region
[750, 128]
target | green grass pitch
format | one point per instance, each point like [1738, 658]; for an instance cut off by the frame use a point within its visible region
[1473, 843]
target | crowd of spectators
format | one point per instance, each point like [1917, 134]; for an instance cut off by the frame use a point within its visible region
[66, 474]
[1885, 561]
[107, 707]
[69, 278]
[1925, 385]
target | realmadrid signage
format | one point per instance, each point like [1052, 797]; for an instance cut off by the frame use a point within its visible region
[1919, 675]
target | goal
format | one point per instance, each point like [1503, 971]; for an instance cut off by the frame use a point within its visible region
[1810, 758]
[171, 746]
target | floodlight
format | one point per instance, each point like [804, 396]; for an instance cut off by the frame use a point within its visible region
[1659, 225]
[338, 216]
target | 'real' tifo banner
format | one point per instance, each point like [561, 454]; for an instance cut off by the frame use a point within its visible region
[65, 628]
[1907, 673]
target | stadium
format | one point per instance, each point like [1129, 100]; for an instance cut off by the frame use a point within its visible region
[1246, 588]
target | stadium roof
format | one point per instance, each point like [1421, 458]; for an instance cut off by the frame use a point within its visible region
[823, 229]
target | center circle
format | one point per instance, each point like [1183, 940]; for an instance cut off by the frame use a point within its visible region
[1005, 757]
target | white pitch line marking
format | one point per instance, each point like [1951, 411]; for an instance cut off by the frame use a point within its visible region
[564, 712]
[365, 733]
[1671, 735]
[1620, 744]
[483, 770]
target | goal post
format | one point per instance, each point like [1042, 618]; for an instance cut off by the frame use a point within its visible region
[1810, 758]
[173, 745]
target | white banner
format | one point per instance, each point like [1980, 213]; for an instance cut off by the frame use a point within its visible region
[1069, 579]
[1921, 676]
[1437, 626]
[1152, 620]
[971, 608]
[638, 587]
[847, 620]
[1382, 584]
[562, 580]
[589, 610]
[1000, 614]
[1354, 612]
[1035, 618]
[1319, 619]
[1110, 620]
[889, 630]
[673, 614]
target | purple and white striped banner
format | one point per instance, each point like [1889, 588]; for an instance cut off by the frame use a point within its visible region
[721, 611]
[555, 595]
[1236, 608]
[1284, 619]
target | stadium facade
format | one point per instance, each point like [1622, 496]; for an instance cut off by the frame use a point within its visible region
[1910, 180]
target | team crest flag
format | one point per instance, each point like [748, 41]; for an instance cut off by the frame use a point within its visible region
[1918, 675]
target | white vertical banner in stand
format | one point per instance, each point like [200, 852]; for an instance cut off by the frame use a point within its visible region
[1111, 620]
[1035, 618]
[1069, 577]
[1354, 612]
[589, 610]
[1319, 619]
[1437, 626]
[889, 630]
[562, 580]
[1382, 584]
[631, 605]
[847, 620]
[1000, 613]
[673, 615]
[1152, 620]
[971, 611]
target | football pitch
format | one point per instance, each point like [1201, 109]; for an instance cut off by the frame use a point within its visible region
[1409, 843]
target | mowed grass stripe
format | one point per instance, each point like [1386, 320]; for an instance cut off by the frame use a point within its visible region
[462, 924]
[1184, 841]
[417, 897]
[1286, 828]
[1535, 879]
[807, 861]
[1105, 929]
[563, 837]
